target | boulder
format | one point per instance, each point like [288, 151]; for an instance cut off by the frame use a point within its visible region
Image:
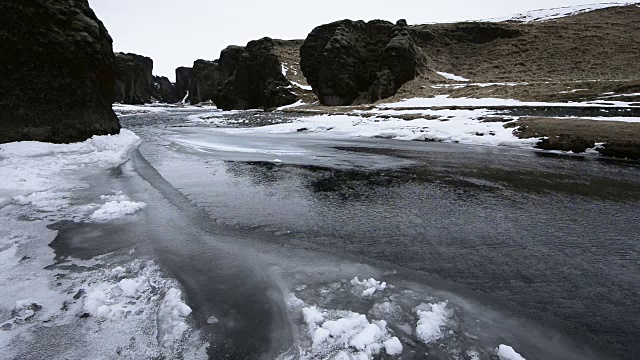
[134, 79]
[349, 60]
[183, 83]
[205, 81]
[257, 82]
[163, 90]
[57, 72]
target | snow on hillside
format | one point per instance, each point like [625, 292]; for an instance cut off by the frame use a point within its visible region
[555, 13]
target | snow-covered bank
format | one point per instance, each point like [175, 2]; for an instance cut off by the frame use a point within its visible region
[28, 166]
[458, 126]
[440, 118]
[93, 305]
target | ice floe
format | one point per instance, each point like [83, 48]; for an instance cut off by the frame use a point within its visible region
[432, 320]
[506, 352]
[343, 333]
[116, 207]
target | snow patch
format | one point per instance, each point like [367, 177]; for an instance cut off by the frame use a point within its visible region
[303, 87]
[451, 76]
[296, 104]
[556, 13]
[506, 352]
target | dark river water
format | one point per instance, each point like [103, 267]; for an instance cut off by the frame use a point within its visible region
[542, 250]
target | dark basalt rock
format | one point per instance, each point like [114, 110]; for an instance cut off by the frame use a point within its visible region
[163, 90]
[349, 60]
[257, 82]
[205, 81]
[229, 59]
[183, 82]
[57, 72]
[134, 79]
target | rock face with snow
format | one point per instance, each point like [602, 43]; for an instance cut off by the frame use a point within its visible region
[163, 90]
[183, 82]
[57, 69]
[134, 79]
[345, 61]
[257, 81]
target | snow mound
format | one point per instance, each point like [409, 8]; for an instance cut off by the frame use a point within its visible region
[556, 13]
[343, 334]
[116, 207]
[432, 318]
[508, 353]
[368, 287]
[171, 317]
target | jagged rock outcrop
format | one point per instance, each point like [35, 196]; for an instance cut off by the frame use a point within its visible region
[257, 82]
[205, 81]
[163, 90]
[134, 79]
[349, 60]
[183, 83]
[56, 72]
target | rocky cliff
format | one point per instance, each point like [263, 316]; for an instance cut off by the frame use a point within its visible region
[245, 77]
[348, 61]
[205, 81]
[258, 81]
[57, 72]
[134, 79]
[163, 90]
[183, 83]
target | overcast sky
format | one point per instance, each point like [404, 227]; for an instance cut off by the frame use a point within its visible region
[177, 32]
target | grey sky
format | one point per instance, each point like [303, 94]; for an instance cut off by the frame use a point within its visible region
[177, 32]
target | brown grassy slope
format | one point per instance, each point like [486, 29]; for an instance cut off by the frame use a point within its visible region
[552, 56]
[598, 45]
[622, 139]
[289, 53]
